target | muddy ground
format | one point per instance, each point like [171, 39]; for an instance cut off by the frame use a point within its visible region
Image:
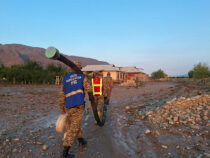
[28, 115]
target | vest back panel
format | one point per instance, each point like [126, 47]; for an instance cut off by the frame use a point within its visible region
[73, 89]
[97, 86]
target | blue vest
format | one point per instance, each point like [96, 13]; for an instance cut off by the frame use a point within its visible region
[73, 89]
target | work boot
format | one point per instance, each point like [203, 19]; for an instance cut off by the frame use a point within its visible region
[65, 153]
[106, 100]
[82, 142]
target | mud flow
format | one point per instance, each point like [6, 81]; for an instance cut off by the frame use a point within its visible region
[156, 120]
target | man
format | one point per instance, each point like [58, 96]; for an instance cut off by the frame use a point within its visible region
[108, 84]
[71, 100]
[97, 86]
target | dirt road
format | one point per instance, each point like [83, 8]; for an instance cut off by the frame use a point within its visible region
[28, 116]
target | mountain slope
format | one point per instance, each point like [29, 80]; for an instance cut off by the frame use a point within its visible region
[16, 54]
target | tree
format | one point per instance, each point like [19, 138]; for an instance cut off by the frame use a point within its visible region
[201, 70]
[190, 74]
[32, 72]
[158, 74]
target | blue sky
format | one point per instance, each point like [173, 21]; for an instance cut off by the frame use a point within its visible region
[173, 35]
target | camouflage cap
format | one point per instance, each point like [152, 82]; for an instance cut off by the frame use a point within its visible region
[97, 73]
[78, 64]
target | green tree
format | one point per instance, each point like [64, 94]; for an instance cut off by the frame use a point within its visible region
[201, 70]
[32, 72]
[190, 74]
[158, 74]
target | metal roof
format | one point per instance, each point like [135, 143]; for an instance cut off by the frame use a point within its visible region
[130, 69]
[111, 68]
[100, 68]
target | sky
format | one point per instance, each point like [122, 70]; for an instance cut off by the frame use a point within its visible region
[172, 35]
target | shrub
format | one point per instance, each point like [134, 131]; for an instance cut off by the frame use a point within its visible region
[158, 74]
[32, 72]
[199, 71]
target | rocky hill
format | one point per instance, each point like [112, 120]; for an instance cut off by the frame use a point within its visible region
[16, 54]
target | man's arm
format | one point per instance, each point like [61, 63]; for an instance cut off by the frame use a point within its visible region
[62, 99]
[87, 85]
[111, 83]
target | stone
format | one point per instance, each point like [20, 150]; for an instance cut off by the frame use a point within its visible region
[176, 119]
[44, 147]
[171, 122]
[51, 137]
[127, 108]
[164, 147]
[195, 127]
[205, 113]
[86, 118]
[39, 143]
[206, 132]
[157, 133]
[207, 155]
[16, 139]
[147, 131]
[205, 118]
[149, 113]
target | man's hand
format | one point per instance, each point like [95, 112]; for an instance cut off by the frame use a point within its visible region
[63, 112]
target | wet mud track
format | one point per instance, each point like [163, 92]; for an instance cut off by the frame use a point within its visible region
[28, 116]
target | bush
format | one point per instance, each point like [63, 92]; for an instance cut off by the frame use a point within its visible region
[158, 74]
[32, 72]
[190, 74]
[199, 71]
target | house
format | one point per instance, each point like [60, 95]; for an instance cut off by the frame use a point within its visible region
[114, 71]
[133, 73]
[118, 74]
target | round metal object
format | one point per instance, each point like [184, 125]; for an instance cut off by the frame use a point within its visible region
[52, 53]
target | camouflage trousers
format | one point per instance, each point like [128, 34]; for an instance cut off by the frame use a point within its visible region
[107, 93]
[99, 102]
[73, 128]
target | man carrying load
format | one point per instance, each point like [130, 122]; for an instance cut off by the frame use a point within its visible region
[71, 100]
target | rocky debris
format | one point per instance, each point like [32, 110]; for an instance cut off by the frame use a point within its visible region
[130, 83]
[191, 112]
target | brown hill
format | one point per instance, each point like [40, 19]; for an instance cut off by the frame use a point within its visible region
[16, 54]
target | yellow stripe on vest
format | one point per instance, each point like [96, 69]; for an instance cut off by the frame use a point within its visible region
[74, 92]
